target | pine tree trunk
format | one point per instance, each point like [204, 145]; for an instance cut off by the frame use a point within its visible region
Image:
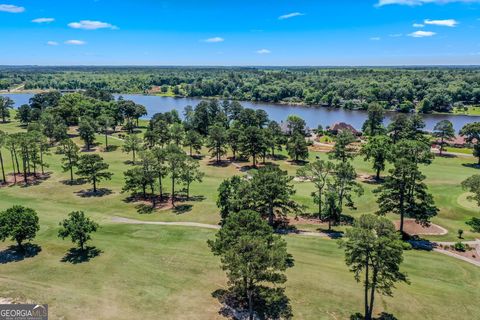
[250, 304]
[366, 285]
[441, 147]
[16, 160]
[71, 170]
[2, 167]
[173, 191]
[14, 172]
[41, 162]
[372, 294]
[270, 215]
[24, 171]
[160, 186]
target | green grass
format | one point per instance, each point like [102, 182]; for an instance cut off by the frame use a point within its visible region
[471, 111]
[459, 150]
[152, 272]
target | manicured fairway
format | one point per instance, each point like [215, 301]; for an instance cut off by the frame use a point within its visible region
[152, 272]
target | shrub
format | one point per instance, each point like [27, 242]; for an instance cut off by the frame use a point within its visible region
[474, 223]
[459, 246]
[406, 246]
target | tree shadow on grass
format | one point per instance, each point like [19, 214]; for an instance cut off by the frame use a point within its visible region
[221, 163]
[471, 165]
[419, 243]
[15, 254]
[75, 182]
[110, 148]
[182, 208]
[32, 180]
[299, 163]
[90, 193]
[279, 157]
[269, 303]
[332, 234]
[446, 155]
[382, 316]
[77, 255]
[130, 162]
[144, 208]
[182, 197]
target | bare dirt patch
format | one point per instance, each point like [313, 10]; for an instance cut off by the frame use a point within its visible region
[302, 220]
[472, 252]
[413, 228]
[320, 148]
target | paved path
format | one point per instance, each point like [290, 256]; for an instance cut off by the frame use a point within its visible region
[300, 233]
[203, 225]
[184, 224]
[454, 255]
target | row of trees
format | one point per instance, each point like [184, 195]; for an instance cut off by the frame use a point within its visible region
[27, 151]
[431, 89]
[255, 260]
[21, 224]
[156, 163]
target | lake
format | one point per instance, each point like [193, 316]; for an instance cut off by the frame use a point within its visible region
[278, 112]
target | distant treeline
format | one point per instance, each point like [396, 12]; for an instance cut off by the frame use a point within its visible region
[428, 89]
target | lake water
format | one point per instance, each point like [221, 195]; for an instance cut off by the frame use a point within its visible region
[312, 115]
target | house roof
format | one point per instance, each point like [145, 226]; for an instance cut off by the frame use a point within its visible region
[342, 126]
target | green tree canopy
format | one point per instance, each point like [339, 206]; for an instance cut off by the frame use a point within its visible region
[443, 130]
[374, 252]
[19, 224]
[471, 132]
[92, 168]
[253, 257]
[78, 227]
[378, 149]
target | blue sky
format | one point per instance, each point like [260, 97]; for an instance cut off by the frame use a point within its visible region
[248, 32]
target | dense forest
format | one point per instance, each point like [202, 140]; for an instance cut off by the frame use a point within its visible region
[402, 89]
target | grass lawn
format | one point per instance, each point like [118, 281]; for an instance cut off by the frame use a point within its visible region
[471, 111]
[459, 150]
[152, 272]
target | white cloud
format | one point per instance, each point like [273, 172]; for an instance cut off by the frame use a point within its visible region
[422, 34]
[443, 23]
[75, 42]
[264, 51]
[214, 40]
[91, 25]
[43, 20]
[52, 43]
[291, 15]
[419, 2]
[418, 25]
[375, 38]
[11, 8]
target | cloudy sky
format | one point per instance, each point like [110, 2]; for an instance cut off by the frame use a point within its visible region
[248, 32]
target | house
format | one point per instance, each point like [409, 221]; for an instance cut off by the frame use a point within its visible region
[457, 142]
[286, 130]
[342, 126]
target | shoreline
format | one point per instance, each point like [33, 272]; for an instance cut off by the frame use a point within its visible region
[281, 103]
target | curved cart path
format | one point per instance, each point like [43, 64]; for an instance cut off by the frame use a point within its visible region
[301, 233]
[201, 225]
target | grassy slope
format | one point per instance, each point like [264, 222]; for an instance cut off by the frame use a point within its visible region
[168, 272]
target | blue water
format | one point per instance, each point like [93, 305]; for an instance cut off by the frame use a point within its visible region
[312, 115]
